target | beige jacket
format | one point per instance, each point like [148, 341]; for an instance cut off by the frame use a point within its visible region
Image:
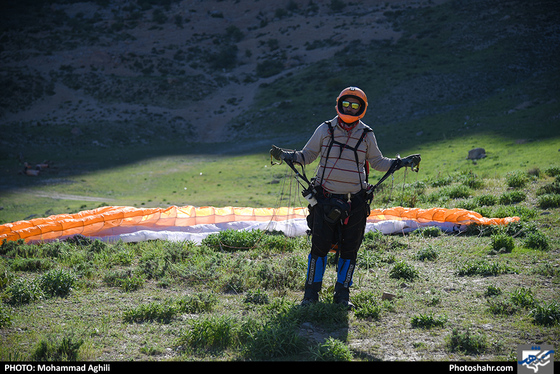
[341, 173]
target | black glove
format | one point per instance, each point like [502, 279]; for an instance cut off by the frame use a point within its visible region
[412, 161]
[282, 154]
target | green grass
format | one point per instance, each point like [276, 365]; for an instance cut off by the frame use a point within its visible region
[197, 180]
[427, 321]
[467, 341]
[208, 180]
[201, 180]
[235, 296]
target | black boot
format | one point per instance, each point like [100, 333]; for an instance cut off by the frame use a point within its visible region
[315, 269]
[343, 282]
[311, 293]
[342, 296]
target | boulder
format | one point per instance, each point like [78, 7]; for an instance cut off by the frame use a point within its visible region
[476, 154]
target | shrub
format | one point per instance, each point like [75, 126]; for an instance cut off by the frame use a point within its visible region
[57, 282]
[369, 310]
[268, 68]
[97, 246]
[502, 242]
[176, 252]
[158, 16]
[475, 229]
[468, 204]
[514, 210]
[472, 180]
[278, 338]
[366, 306]
[278, 242]
[513, 197]
[458, 192]
[552, 171]
[522, 297]
[466, 341]
[258, 297]
[484, 268]
[502, 307]
[213, 333]
[537, 240]
[5, 316]
[519, 229]
[332, 350]
[152, 264]
[225, 58]
[59, 248]
[283, 275]
[197, 303]
[546, 314]
[132, 283]
[23, 291]
[150, 312]
[429, 231]
[547, 269]
[125, 279]
[429, 253]
[376, 240]
[9, 246]
[232, 240]
[203, 266]
[551, 188]
[486, 200]
[326, 314]
[493, 291]
[79, 240]
[234, 34]
[516, 179]
[441, 181]
[31, 264]
[549, 201]
[337, 5]
[402, 270]
[427, 321]
[50, 349]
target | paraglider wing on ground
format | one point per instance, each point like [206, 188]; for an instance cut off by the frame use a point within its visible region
[189, 223]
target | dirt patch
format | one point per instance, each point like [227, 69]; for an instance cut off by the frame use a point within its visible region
[63, 196]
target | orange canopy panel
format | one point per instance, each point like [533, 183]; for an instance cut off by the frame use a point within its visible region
[115, 221]
[458, 216]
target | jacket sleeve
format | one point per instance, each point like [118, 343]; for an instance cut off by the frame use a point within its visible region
[376, 159]
[312, 149]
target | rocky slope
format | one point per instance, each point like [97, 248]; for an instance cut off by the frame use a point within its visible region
[192, 65]
[138, 70]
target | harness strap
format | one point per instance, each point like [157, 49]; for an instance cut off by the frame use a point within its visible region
[346, 146]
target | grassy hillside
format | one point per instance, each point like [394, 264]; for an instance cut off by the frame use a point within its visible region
[458, 75]
[156, 103]
[470, 74]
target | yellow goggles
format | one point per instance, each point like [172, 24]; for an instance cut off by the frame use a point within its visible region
[347, 104]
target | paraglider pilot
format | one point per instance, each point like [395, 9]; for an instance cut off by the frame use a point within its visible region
[347, 148]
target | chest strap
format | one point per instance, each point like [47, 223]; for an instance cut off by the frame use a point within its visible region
[345, 146]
